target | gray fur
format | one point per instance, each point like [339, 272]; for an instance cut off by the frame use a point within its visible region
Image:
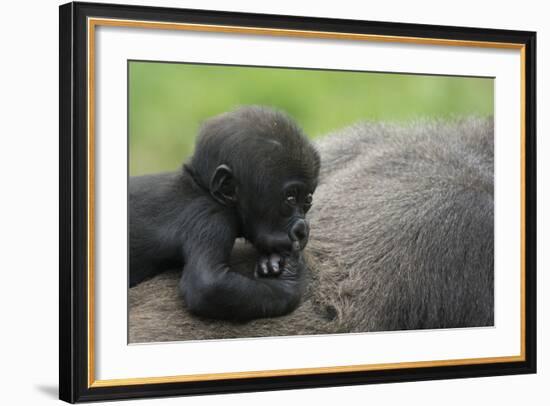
[401, 238]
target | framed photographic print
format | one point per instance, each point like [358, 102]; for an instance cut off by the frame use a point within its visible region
[256, 202]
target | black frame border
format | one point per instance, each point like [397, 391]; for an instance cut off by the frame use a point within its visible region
[73, 289]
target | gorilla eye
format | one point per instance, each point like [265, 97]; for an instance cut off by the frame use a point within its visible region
[291, 199]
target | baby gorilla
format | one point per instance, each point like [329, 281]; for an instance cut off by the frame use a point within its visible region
[252, 175]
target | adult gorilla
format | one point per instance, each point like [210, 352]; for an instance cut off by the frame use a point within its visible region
[401, 238]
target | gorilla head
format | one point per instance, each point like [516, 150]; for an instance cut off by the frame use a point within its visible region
[258, 161]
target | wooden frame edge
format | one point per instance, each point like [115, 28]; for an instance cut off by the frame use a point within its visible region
[280, 32]
[302, 371]
[68, 387]
[93, 22]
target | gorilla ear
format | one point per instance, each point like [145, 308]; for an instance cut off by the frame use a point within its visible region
[222, 186]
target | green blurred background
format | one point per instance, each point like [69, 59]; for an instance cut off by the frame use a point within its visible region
[168, 101]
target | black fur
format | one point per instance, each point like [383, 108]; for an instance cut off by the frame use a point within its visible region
[237, 184]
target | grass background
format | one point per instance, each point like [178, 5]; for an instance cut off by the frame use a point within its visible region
[168, 101]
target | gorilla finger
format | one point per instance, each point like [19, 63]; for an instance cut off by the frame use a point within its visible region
[274, 264]
[262, 267]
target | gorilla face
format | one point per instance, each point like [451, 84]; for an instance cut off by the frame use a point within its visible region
[272, 213]
[277, 223]
[257, 162]
[267, 169]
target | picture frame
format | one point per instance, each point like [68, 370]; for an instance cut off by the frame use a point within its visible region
[79, 159]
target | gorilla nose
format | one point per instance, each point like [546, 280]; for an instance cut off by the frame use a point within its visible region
[299, 234]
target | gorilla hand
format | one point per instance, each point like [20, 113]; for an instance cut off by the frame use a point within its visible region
[270, 265]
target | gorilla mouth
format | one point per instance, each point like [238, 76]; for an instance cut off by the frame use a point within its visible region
[276, 243]
[280, 243]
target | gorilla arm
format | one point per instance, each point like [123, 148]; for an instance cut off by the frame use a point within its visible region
[211, 287]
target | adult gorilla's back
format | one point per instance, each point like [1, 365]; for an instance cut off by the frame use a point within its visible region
[401, 238]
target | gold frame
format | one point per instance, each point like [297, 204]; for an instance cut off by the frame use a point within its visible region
[92, 23]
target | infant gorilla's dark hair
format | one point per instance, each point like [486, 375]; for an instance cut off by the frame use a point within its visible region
[252, 175]
[258, 144]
